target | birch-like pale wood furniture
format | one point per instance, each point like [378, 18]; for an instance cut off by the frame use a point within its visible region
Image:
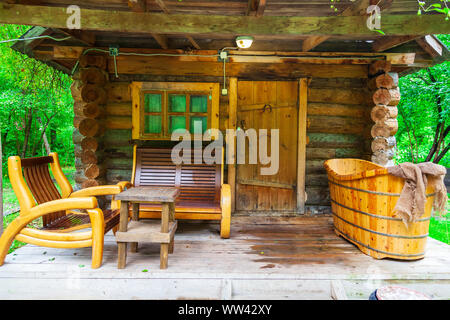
[203, 195]
[62, 212]
[147, 231]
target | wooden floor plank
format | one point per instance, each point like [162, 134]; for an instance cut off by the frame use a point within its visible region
[260, 260]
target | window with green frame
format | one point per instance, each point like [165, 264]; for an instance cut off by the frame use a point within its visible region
[165, 111]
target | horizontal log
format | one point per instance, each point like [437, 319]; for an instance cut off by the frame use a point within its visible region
[117, 138]
[390, 97]
[385, 80]
[331, 109]
[118, 92]
[316, 180]
[94, 111]
[320, 153]
[94, 171]
[340, 83]
[326, 124]
[93, 76]
[92, 157]
[383, 157]
[318, 195]
[314, 166]
[333, 140]
[116, 175]
[119, 151]
[118, 163]
[91, 143]
[339, 96]
[91, 127]
[89, 60]
[385, 129]
[379, 67]
[118, 123]
[382, 113]
[251, 71]
[118, 109]
[93, 183]
[160, 23]
[382, 143]
[92, 93]
[349, 152]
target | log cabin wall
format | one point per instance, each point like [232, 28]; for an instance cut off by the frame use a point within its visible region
[338, 121]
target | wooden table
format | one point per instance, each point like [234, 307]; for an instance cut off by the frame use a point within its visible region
[147, 231]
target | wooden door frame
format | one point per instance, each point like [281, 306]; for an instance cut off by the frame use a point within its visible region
[301, 143]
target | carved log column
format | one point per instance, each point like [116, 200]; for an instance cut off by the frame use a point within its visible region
[385, 98]
[90, 97]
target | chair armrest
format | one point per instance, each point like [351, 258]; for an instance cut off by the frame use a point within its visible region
[55, 206]
[124, 185]
[97, 191]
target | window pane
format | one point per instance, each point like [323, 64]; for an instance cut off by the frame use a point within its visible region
[199, 104]
[197, 123]
[177, 103]
[176, 122]
[152, 102]
[152, 124]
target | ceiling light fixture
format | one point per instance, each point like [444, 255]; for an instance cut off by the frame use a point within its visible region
[244, 42]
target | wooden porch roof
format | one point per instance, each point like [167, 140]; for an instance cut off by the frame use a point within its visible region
[277, 26]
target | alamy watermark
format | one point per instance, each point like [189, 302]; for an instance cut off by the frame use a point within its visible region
[257, 147]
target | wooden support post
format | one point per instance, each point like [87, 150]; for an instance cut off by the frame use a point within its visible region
[232, 125]
[123, 225]
[301, 143]
[134, 217]
[385, 96]
[164, 253]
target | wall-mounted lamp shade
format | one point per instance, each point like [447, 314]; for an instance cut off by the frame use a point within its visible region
[244, 42]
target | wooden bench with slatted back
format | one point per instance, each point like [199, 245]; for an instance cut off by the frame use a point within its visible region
[200, 184]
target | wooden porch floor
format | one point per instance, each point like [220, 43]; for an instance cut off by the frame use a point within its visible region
[287, 258]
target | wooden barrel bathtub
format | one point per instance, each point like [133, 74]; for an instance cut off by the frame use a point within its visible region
[363, 196]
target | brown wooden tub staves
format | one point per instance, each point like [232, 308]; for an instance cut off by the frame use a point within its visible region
[363, 196]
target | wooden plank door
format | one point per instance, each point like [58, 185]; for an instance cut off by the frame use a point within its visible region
[256, 192]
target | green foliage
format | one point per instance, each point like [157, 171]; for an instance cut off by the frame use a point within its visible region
[33, 97]
[419, 115]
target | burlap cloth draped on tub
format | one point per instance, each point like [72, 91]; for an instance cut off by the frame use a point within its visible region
[411, 204]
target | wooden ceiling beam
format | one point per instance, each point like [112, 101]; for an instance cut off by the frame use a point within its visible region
[85, 37]
[430, 45]
[357, 9]
[193, 42]
[163, 6]
[161, 39]
[386, 42]
[137, 5]
[132, 22]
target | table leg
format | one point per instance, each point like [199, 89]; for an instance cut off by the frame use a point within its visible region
[134, 217]
[164, 254]
[122, 246]
[171, 218]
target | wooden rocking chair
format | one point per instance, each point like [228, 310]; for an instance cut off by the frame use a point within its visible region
[61, 213]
